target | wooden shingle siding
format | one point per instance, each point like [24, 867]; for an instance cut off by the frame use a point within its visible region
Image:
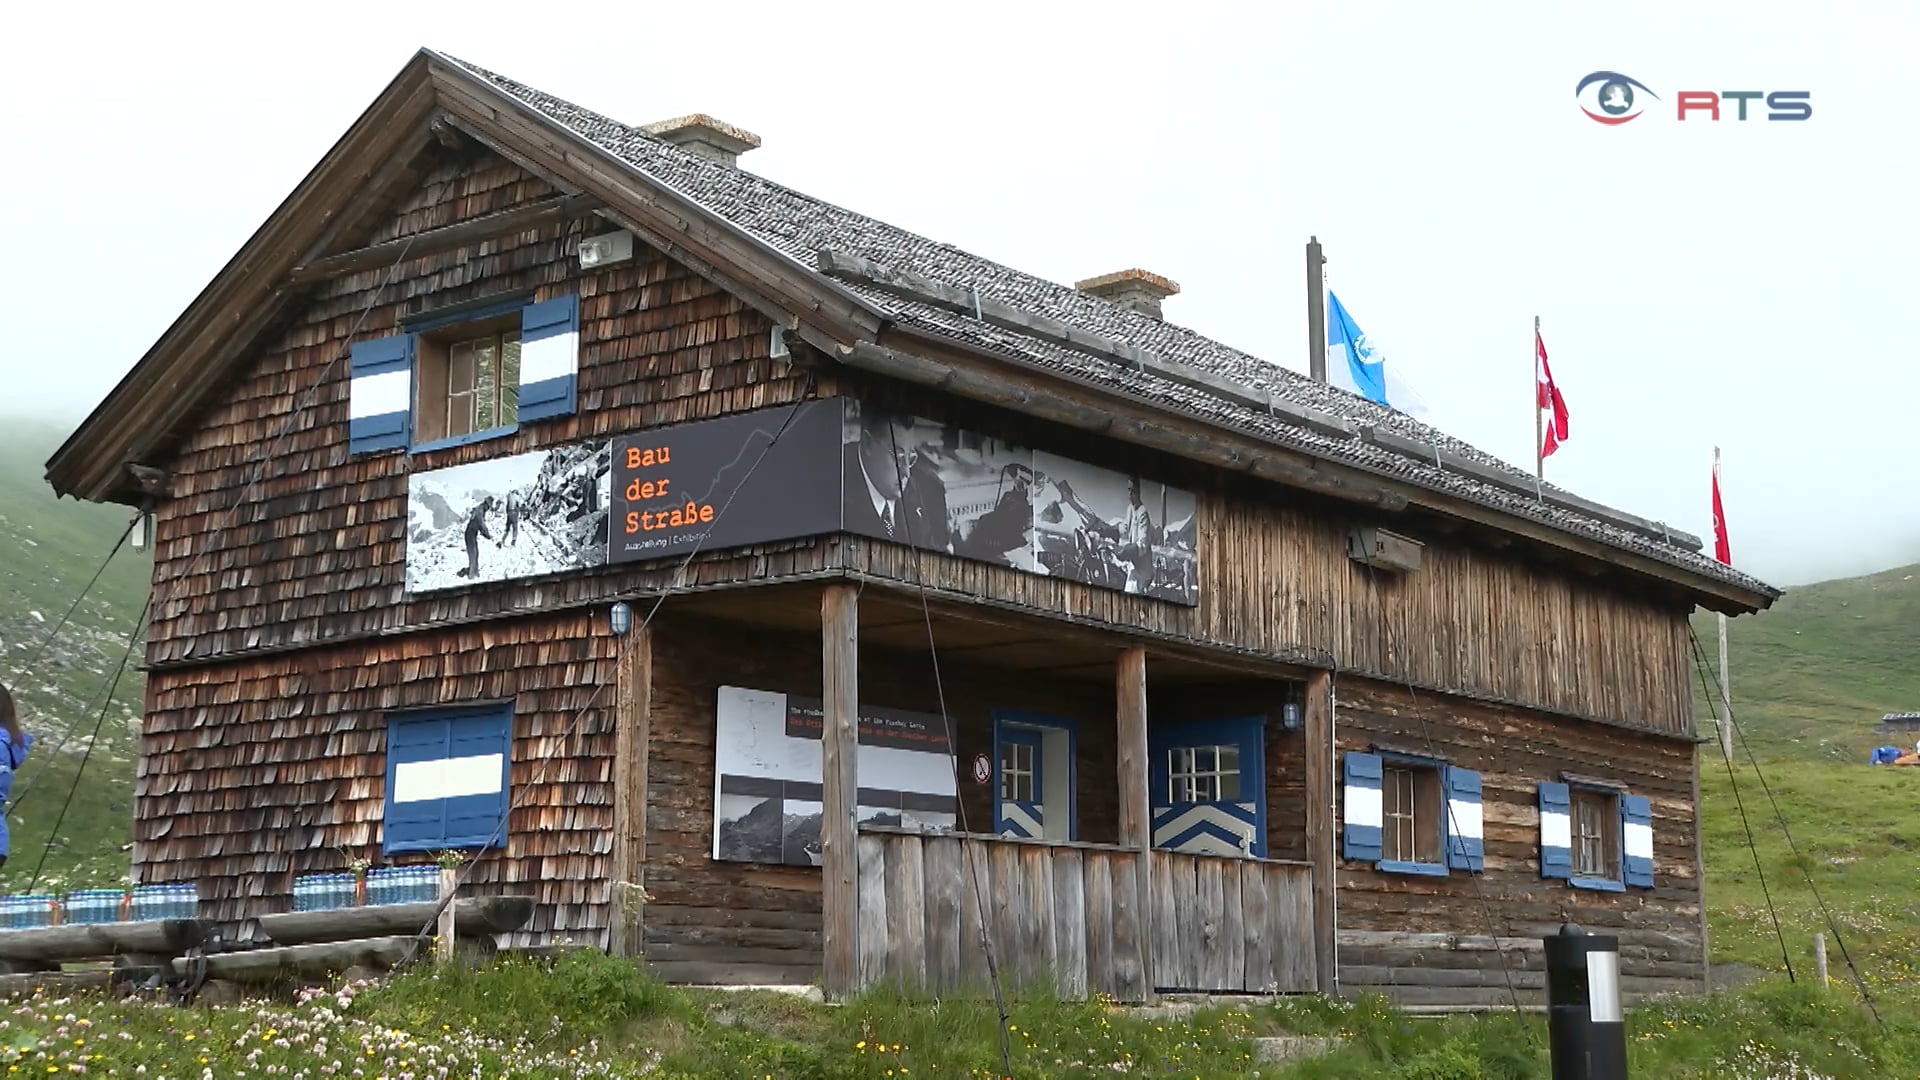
[1430, 939]
[253, 772]
[319, 552]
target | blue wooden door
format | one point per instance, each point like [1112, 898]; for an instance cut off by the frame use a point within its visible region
[1019, 792]
[1209, 787]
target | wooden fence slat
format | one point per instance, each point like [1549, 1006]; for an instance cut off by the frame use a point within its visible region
[947, 886]
[1292, 928]
[1184, 878]
[1233, 928]
[976, 913]
[1169, 947]
[1069, 926]
[1131, 926]
[871, 889]
[1258, 958]
[1009, 898]
[1036, 866]
[906, 915]
[1212, 925]
[1099, 948]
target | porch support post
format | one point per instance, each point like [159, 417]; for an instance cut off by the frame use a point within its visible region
[633, 680]
[840, 683]
[1318, 735]
[1136, 820]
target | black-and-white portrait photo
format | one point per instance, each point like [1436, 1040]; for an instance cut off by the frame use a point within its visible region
[1113, 530]
[504, 518]
[937, 487]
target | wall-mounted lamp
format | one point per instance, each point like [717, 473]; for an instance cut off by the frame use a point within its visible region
[1290, 717]
[621, 618]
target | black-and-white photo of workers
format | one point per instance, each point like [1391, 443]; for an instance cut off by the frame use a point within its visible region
[476, 528]
[891, 491]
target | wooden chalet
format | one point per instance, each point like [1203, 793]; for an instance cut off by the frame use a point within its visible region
[864, 602]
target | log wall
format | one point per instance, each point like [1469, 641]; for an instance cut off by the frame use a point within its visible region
[1434, 940]
[254, 772]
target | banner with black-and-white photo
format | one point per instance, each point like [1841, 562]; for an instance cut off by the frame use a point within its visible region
[523, 516]
[767, 775]
[939, 487]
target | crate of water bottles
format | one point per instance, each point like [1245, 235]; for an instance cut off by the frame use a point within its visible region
[403, 885]
[180, 901]
[323, 892]
[93, 906]
[23, 912]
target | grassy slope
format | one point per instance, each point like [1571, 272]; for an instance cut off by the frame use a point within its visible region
[1813, 674]
[50, 548]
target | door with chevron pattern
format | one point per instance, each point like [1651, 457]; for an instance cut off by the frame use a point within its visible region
[1021, 799]
[1209, 787]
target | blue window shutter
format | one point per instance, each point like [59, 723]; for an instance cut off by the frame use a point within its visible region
[473, 820]
[416, 824]
[1556, 831]
[448, 773]
[1463, 821]
[380, 394]
[549, 357]
[1636, 845]
[1361, 827]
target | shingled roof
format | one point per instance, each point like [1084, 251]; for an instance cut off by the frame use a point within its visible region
[815, 233]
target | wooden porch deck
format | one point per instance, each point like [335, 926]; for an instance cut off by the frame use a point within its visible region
[1079, 919]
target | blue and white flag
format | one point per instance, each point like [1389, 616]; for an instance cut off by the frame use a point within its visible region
[1355, 363]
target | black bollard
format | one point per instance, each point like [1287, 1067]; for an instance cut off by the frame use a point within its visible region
[1586, 1028]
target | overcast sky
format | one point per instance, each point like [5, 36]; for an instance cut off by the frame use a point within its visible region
[1749, 285]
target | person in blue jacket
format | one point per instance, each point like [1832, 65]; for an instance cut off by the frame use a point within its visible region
[14, 744]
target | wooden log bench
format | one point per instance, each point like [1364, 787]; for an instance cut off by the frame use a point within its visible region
[309, 944]
[473, 917]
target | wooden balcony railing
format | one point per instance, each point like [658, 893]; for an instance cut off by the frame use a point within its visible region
[1068, 917]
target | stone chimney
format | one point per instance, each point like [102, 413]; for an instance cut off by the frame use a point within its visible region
[701, 134]
[1138, 289]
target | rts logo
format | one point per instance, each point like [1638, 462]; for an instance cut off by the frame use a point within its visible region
[1617, 98]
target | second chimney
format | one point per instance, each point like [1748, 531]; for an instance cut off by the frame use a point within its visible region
[700, 134]
[1138, 289]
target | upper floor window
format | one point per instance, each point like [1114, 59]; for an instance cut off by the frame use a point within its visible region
[475, 375]
[469, 381]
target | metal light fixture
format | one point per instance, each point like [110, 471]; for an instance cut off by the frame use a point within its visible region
[1290, 716]
[621, 618]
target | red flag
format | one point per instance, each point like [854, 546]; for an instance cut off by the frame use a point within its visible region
[1549, 398]
[1721, 549]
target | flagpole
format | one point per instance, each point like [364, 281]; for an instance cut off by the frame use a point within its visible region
[1726, 697]
[1539, 435]
[1316, 312]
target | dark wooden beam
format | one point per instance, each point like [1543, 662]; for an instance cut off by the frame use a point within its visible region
[632, 724]
[445, 238]
[1136, 817]
[839, 788]
[1318, 738]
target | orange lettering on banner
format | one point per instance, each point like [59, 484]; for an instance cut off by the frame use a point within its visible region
[686, 514]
